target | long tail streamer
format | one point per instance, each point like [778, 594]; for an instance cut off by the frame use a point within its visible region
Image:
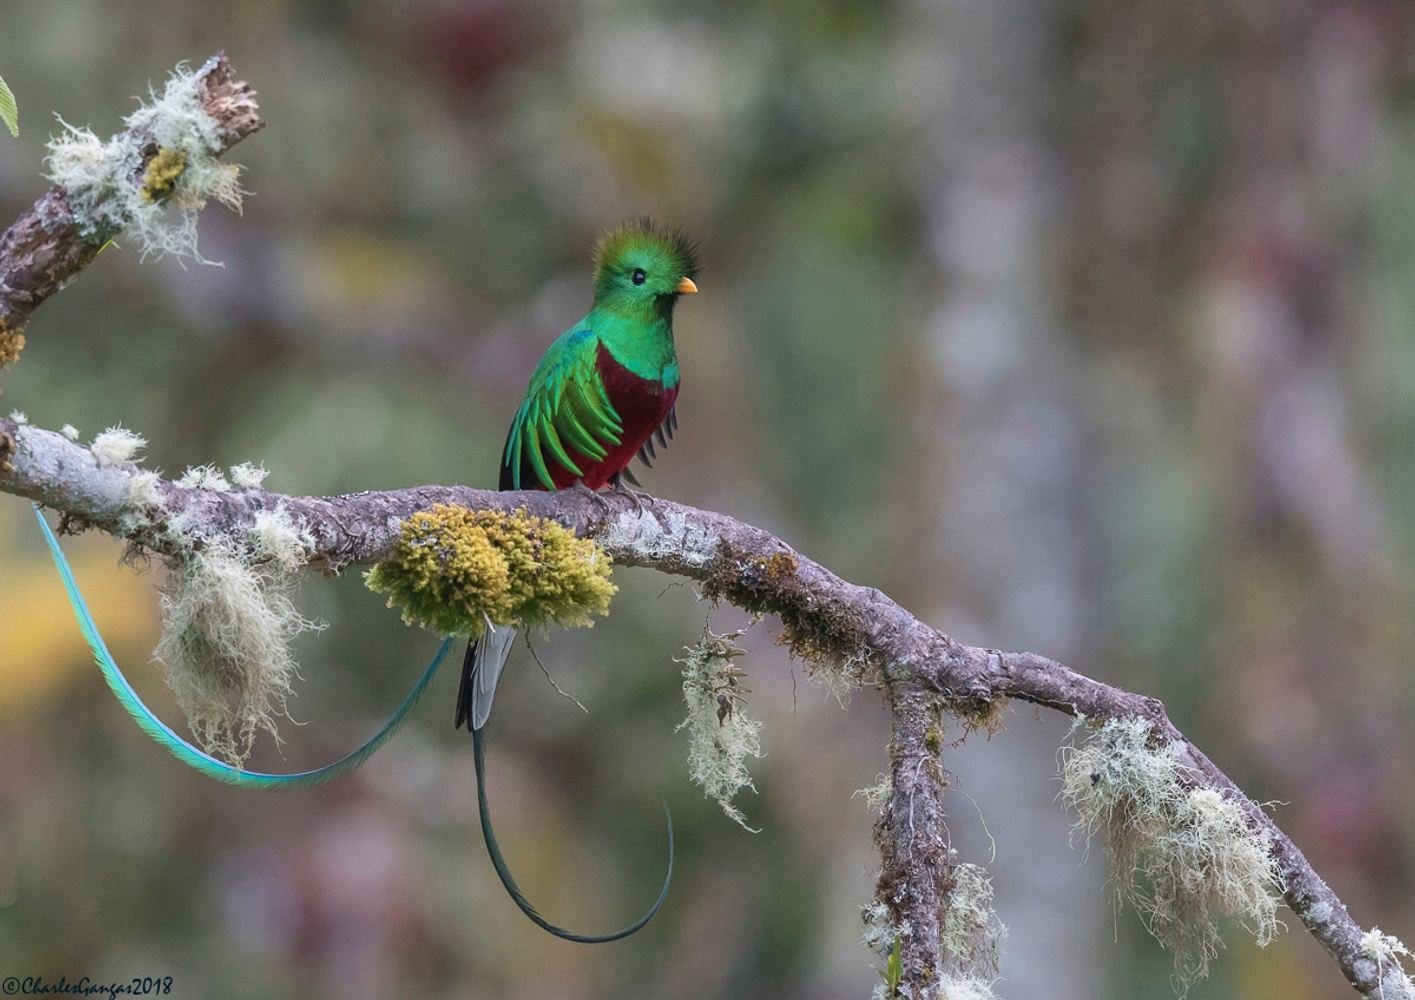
[499, 863]
[191, 755]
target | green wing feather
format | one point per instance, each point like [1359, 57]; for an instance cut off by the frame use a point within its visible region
[186, 752]
[566, 408]
[9, 110]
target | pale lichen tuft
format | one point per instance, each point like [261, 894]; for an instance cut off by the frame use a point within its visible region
[876, 796]
[154, 185]
[971, 931]
[143, 491]
[275, 536]
[204, 477]
[965, 988]
[880, 929]
[70, 431]
[1388, 952]
[840, 678]
[720, 735]
[226, 628]
[885, 938]
[117, 445]
[1181, 854]
[455, 568]
[248, 476]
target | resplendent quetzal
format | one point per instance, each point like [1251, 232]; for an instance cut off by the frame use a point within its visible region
[600, 395]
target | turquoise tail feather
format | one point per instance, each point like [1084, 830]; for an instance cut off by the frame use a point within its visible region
[185, 751]
[503, 872]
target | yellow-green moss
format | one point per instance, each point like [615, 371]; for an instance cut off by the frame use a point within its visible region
[12, 342]
[453, 568]
[160, 178]
[989, 716]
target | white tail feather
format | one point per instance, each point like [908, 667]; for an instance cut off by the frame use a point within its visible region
[492, 650]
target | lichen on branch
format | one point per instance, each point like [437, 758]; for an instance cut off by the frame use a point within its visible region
[453, 569]
[1181, 853]
[167, 158]
[720, 735]
[227, 622]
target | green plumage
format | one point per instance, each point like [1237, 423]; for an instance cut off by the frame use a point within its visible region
[566, 401]
[568, 425]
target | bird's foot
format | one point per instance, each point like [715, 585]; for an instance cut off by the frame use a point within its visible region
[598, 498]
[639, 497]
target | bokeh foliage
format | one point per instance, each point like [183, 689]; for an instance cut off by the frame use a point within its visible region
[1081, 326]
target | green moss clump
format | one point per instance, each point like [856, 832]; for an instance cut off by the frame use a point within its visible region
[12, 342]
[454, 568]
[160, 178]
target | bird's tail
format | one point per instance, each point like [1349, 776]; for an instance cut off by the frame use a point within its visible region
[481, 672]
[504, 873]
[185, 751]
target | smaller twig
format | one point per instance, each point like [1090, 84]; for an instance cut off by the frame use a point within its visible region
[551, 680]
[915, 872]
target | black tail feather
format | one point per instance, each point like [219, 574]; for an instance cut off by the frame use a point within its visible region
[504, 873]
[464, 690]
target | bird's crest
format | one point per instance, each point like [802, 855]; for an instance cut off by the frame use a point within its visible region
[639, 243]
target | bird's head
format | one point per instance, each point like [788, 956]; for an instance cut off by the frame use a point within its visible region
[639, 268]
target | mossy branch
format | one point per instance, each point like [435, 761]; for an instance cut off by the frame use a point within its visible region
[837, 625]
[454, 570]
[48, 245]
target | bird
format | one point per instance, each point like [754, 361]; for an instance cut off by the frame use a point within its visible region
[602, 394]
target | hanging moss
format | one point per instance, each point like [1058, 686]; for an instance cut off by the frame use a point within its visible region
[226, 630]
[1182, 854]
[720, 735]
[454, 568]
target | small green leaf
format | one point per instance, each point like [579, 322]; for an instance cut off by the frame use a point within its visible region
[893, 973]
[9, 110]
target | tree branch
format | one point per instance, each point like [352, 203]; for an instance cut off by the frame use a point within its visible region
[44, 248]
[914, 879]
[821, 614]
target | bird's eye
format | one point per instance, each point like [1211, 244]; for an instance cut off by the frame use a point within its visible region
[639, 276]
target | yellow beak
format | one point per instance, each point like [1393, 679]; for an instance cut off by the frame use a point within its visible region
[686, 286]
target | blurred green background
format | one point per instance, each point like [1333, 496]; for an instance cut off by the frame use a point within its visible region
[1078, 326]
